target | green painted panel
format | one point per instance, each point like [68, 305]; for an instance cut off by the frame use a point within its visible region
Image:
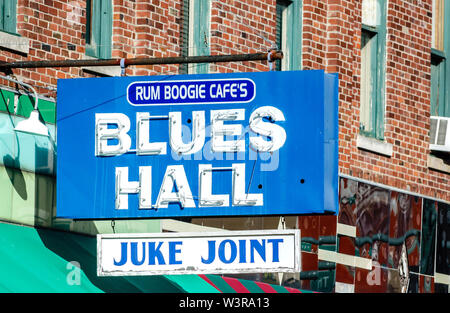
[8, 10]
[280, 7]
[289, 25]
[437, 85]
[201, 35]
[47, 109]
[377, 38]
[2, 14]
[380, 72]
[444, 109]
[9, 16]
[295, 18]
[99, 29]
[184, 36]
[6, 101]
[93, 28]
[106, 29]
[26, 105]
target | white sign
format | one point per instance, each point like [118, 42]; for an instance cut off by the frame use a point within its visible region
[198, 253]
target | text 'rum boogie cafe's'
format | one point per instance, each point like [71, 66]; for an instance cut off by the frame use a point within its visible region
[247, 144]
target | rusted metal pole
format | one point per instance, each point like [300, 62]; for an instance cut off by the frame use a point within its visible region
[269, 56]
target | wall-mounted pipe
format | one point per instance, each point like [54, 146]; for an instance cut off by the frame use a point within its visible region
[272, 55]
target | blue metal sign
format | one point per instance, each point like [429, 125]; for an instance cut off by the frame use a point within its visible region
[197, 145]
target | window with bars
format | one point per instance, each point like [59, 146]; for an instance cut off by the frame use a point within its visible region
[440, 100]
[8, 16]
[98, 28]
[282, 5]
[373, 45]
[288, 34]
[194, 34]
[184, 35]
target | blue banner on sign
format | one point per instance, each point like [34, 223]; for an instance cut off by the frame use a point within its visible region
[191, 92]
[197, 145]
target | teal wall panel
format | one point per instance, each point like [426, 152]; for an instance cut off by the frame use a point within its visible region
[26, 198]
[44, 200]
[24, 151]
[7, 140]
[5, 193]
[23, 197]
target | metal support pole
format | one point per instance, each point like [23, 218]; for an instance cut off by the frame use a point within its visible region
[272, 55]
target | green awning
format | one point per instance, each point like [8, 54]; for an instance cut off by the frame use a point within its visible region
[51, 261]
[226, 284]
[42, 260]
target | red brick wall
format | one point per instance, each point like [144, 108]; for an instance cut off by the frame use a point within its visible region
[331, 41]
[57, 29]
[408, 98]
[241, 26]
[156, 34]
[314, 34]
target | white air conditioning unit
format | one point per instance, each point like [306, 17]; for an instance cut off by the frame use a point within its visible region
[440, 134]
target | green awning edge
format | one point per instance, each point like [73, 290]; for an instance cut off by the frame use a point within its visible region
[192, 283]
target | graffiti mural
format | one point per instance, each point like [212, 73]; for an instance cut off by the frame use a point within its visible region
[382, 241]
[427, 252]
[372, 223]
[443, 239]
[404, 238]
[405, 225]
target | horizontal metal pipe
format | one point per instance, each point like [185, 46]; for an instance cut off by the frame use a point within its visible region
[273, 55]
